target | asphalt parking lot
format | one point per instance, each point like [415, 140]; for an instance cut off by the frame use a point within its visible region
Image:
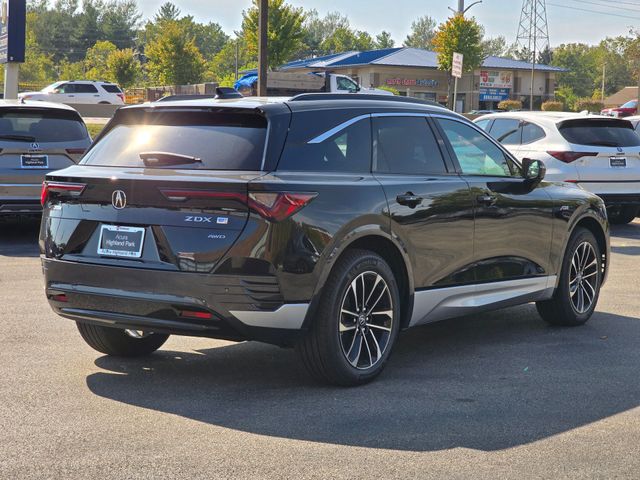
[499, 395]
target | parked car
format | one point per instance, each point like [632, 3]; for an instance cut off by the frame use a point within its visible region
[320, 222]
[626, 110]
[601, 154]
[635, 121]
[78, 91]
[35, 138]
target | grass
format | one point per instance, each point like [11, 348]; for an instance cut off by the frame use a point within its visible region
[94, 129]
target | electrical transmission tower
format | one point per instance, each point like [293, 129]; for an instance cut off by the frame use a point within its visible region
[533, 33]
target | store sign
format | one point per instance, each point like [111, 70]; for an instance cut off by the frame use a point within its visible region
[412, 82]
[496, 79]
[494, 94]
[12, 30]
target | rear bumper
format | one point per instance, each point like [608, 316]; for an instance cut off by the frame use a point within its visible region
[20, 207]
[229, 307]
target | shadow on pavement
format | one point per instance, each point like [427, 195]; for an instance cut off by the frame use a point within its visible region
[487, 382]
[19, 236]
[629, 231]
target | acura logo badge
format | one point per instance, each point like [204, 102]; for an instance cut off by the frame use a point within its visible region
[34, 146]
[118, 199]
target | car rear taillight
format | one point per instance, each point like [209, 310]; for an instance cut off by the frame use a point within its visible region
[121, 96]
[274, 206]
[278, 205]
[65, 188]
[568, 157]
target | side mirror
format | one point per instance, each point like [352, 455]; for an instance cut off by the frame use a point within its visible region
[533, 170]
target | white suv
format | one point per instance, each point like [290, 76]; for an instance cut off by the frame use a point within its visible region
[601, 154]
[78, 91]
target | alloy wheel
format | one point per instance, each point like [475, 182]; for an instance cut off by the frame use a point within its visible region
[583, 277]
[366, 320]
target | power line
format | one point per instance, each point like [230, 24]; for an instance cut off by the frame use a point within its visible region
[608, 6]
[593, 11]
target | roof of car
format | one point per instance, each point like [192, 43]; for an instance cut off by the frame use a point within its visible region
[34, 104]
[304, 102]
[549, 117]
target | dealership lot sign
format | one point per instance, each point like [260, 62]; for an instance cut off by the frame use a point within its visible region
[496, 79]
[12, 30]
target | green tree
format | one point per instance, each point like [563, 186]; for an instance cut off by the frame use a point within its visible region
[173, 57]
[495, 47]
[384, 40]
[461, 35]
[581, 63]
[123, 67]
[167, 11]
[285, 32]
[96, 60]
[345, 40]
[422, 32]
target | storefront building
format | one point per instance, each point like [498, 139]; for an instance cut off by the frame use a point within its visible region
[414, 72]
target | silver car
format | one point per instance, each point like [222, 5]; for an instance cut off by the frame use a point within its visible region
[35, 138]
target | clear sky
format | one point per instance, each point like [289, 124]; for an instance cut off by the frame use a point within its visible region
[568, 20]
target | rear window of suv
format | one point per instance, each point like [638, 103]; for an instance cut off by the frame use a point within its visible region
[111, 88]
[41, 125]
[599, 132]
[219, 140]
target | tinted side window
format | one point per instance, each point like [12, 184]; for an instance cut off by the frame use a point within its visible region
[531, 133]
[347, 151]
[406, 145]
[85, 88]
[507, 131]
[476, 154]
[111, 88]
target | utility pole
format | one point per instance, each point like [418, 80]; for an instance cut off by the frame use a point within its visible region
[263, 25]
[604, 75]
[534, 29]
[461, 10]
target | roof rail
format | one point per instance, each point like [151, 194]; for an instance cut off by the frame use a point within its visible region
[361, 96]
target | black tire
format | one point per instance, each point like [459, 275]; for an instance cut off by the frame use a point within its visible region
[104, 103]
[323, 347]
[561, 310]
[622, 215]
[117, 342]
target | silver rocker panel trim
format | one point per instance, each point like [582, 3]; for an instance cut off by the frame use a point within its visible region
[439, 304]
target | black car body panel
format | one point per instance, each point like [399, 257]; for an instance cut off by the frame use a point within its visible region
[214, 264]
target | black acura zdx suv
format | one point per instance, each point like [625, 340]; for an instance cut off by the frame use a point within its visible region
[321, 222]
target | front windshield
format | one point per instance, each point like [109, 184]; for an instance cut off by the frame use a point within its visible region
[630, 104]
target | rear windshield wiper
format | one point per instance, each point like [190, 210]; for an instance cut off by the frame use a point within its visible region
[20, 138]
[156, 159]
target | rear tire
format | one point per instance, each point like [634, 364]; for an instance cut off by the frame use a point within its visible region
[356, 325]
[117, 342]
[576, 297]
[622, 215]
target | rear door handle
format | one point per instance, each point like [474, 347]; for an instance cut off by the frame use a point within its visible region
[486, 199]
[409, 199]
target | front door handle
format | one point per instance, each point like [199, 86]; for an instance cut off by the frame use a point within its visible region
[409, 199]
[486, 199]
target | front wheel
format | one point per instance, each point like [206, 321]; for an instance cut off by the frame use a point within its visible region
[119, 342]
[357, 323]
[577, 294]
